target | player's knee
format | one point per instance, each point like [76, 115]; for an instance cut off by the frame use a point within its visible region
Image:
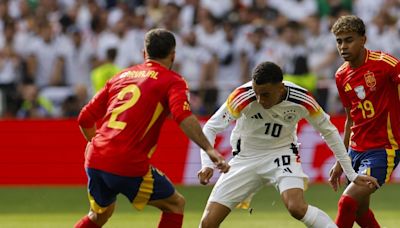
[101, 219]
[297, 210]
[207, 222]
[175, 204]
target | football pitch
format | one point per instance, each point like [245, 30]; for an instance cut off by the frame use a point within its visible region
[59, 207]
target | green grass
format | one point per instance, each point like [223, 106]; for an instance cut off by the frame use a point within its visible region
[50, 207]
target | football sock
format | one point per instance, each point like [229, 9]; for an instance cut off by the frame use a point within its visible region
[170, 220]
[85, 222]
[316, 218]
[367, 220]
[347, 208]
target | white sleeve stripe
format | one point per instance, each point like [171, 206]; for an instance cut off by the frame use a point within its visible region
[239, 98]
[246, 96]
[299, 94]
[305, 100]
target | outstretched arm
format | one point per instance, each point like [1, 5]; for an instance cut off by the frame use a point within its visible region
[191, 127]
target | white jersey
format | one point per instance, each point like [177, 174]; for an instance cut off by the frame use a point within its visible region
[259, 130]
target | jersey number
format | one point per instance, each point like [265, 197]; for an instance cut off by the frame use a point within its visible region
[367, 109]
[135, 91]
[276, 129]
[285, 160]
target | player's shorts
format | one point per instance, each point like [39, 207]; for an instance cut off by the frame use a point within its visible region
[378, 163]
[103, 188]
[280, 168]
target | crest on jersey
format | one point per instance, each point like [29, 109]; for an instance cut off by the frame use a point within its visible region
[360, 92]
[370, 79]
[289, 117]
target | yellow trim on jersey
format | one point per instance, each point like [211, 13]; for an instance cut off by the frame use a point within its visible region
[145, 191]
[382, 56]
[347, 87]
[94, 206]
[342, 66]
[152, 151]
[391, 138]
[391, 153]
[156, 114]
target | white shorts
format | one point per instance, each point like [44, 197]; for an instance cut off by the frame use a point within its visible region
[280, 168]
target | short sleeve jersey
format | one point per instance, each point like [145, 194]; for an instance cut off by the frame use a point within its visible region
[129, 112]
[371, 92]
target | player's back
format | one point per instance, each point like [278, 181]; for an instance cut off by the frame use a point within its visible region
[136, 104]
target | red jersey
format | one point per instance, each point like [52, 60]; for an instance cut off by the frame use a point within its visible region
[129, 112]
[372, 93]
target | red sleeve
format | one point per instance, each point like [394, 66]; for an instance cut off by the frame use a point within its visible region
[94, 110]
[396, 73]
[178, 100]
[342, 94]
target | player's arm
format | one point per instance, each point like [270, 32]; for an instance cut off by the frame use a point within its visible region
[216, 124]
[331, 136]
[180, 109]
[191, 127]
[91, 112]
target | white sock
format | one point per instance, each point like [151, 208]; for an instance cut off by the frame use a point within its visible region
[315, 218]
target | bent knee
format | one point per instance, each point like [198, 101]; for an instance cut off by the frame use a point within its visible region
[207, 222]
[297, 211]
[175, 204]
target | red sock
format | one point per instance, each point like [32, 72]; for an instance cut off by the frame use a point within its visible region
[347, 208]
[170, 220]
[85, 222]
[367, 220]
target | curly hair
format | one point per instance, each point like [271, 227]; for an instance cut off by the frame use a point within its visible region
[349, 23]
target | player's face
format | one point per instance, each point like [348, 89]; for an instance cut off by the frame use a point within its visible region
[269, 94]
[350, 46]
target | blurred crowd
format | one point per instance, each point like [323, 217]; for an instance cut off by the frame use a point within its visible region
[55, 54]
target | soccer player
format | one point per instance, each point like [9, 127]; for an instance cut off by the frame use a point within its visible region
[129, 112]
[369, 88]
[264, 143]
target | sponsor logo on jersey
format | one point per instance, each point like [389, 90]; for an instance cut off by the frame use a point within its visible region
[370, 79]
[360, 92]
[257, 116]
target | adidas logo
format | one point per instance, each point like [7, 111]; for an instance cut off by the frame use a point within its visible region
[257, 116]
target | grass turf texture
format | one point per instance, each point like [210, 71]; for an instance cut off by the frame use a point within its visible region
[49, 207]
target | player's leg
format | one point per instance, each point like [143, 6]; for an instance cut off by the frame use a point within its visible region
[293, 197]
[156, 189]
[214, 214]
[354, 202]
[231, 189]
[101, 198]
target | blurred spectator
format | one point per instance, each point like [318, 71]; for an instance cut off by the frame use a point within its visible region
[33, 105]
[70, 107]
[105, 71]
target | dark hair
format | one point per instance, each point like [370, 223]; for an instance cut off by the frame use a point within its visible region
[349, 23]
[159, 43]
[267, 72]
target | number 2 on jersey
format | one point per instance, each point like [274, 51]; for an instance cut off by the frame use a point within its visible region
[367, 109]
[113, 122]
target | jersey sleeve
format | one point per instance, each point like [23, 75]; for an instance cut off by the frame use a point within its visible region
[395, 73]
[342, 94]
[94, 110]
[216, 124]
[332, 137]
[178, 99]
[238, 100]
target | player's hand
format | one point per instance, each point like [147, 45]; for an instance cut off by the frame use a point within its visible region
[367, 181]
[218, 160]
[205, 175]
[334, 176]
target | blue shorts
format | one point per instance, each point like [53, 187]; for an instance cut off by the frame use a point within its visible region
[103, 188]
[378, 163]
